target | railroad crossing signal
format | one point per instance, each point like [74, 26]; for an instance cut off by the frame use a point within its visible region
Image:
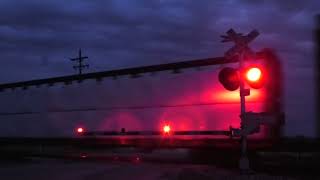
[231, 78]
[241, 43]
[241, 51]
[80, 60]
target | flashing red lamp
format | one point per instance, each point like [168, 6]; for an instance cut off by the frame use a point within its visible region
[253, 74]
[166, 129]
[254, 77]
[80, 130]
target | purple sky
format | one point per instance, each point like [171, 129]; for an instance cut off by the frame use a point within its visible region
[38, 37]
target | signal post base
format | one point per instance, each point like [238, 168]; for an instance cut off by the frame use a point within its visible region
[244, 165]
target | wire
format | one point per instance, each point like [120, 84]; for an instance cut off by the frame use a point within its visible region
[121, 108]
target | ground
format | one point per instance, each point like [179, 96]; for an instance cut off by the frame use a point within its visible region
[53, 169]
[81, 163]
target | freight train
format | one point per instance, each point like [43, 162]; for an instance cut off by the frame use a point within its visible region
[178, 104]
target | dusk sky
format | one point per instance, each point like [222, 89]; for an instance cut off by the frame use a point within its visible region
[39, 37]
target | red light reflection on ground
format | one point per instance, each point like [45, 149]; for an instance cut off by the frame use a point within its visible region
[137, 159]
[115, 158]
[83, 155]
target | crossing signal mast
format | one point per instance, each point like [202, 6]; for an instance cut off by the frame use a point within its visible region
[235, 78]
[80, 60]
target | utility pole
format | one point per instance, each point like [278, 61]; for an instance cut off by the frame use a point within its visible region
[80, 60]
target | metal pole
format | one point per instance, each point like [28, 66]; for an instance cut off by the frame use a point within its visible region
[241, 48]
[244, 161]
[242, 85]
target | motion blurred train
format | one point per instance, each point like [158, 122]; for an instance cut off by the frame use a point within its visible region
[181, 104]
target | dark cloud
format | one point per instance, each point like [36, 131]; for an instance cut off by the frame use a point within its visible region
[143, 32]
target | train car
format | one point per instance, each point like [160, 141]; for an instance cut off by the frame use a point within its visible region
[185, 106]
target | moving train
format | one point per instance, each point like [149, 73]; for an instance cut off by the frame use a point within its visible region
[181, 104]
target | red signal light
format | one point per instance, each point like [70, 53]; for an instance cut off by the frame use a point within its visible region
[166, 129]
[254, 77]
[80, 130]
[253, 74]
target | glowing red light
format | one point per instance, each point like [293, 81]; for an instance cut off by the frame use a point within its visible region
[253, 74]
[80, 130]
[166, 129]
[255, 77]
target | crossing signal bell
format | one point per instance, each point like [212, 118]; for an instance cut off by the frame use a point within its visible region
[229, 77]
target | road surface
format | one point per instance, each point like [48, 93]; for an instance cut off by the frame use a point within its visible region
[54, 169]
